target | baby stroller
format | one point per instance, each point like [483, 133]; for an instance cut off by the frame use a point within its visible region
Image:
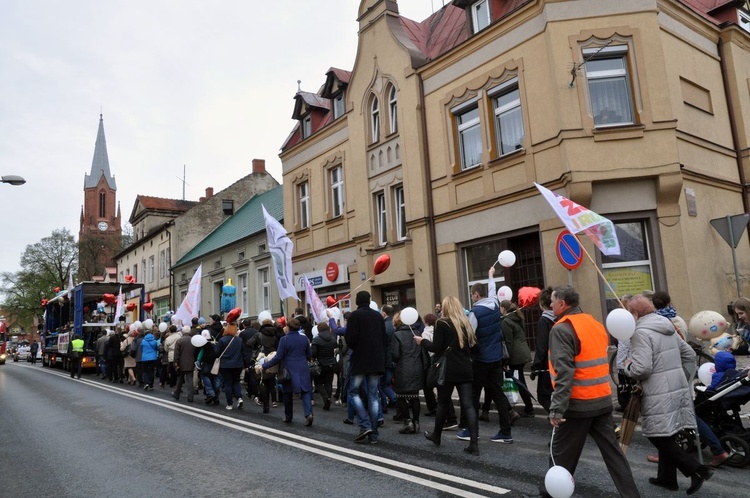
[720, 409]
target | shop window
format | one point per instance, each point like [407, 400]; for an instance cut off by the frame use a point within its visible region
[632, 271]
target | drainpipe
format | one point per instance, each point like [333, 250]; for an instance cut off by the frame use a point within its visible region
[169, 270]
[733, 123]
[430, 207]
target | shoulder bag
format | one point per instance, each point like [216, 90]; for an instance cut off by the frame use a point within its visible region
[436, 372]
[217, 361]
[284, 375]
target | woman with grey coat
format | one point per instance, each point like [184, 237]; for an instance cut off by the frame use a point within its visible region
[663, 362]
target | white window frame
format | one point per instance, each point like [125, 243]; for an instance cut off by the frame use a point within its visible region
[381, 218]
[339, 106]
[264, 288]
[614, 52]
[375, 119]
[744, 20]
[304, 204]
[151, 268]
[393, 109]
[336, 176]
[242, 284]
[483, 6]
[463, 130]
[143, 271]
[306, 126]
[399, 200]
[500, 111]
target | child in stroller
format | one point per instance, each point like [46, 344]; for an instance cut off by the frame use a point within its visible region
[719, 407]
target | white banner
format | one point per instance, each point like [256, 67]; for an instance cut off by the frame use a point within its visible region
[192, 303]
[118, 309]
[316, 305]
[280, 247]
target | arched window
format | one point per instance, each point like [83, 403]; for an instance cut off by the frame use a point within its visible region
[102, 205]
[393, 109]
[375, 119]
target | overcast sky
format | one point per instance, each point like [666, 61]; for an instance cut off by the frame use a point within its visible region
[208, 85]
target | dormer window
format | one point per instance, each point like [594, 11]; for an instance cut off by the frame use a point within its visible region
[339, 108]
[227, 206]
[480, 15]
[744, 19]
[306, 126]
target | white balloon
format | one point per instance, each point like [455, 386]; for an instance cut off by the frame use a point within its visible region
[409, 316]
[137, 325]
[506, 258]
[621, 324]
[559, 483]
[504, 293]
[374, 306]
[148, 323]
[163, 327]
[198, 341]
[264, 315]
[706, 372]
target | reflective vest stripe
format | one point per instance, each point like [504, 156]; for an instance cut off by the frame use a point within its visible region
[591, 377]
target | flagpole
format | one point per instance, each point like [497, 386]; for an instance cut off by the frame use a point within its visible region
[599, 271]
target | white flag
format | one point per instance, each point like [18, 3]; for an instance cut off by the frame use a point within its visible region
[118, 309]
[280, 247]
[192, 303]
[316, 305]
[70, 285]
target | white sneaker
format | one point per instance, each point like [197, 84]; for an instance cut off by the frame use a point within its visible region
[239, 403]
[229, 407]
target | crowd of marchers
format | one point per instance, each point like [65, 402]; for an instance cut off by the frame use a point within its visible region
[369, 361]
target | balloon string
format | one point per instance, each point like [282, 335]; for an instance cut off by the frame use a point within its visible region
[552, 439]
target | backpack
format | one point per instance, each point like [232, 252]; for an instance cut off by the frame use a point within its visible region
[133, 348]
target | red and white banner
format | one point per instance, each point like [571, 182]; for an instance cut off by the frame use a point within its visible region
[580, 219]
[316, 305]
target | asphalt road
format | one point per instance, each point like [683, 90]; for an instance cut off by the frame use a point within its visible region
[71, 438]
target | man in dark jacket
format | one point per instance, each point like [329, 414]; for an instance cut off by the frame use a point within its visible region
[184, 359]
[365, 335]
[540, 367]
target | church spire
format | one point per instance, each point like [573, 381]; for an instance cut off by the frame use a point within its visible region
[100, 163]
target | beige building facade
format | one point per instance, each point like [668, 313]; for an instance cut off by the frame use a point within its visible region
[637, 110]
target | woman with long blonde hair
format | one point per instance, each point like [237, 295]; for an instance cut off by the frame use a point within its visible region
[454, 337]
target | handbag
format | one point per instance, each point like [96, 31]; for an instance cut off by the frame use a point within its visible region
[510, 389]
[436, 372]
[217, 362]
[283, 375]
[314, 367]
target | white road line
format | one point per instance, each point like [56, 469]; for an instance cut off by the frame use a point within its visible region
[304, 442]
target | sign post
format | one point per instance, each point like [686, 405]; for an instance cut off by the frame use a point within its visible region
[731, 229]
[569, 252]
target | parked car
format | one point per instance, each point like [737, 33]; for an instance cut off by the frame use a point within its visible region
[22, 352]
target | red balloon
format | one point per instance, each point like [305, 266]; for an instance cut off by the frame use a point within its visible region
[233, 315]
[130, 306]
[382, 264]
[44, 302]
[282, 321]
[148, 306]
[57, 289]
[109, 298]
[330, 301]
[528, 296]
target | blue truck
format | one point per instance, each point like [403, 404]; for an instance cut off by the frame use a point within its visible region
[82, 314]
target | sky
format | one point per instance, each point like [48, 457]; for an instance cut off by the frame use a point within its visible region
[204, 86]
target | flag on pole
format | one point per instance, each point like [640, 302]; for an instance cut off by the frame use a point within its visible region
[280, 247]
[580, 219]
[119, 307]
[70, 285]
[316, 305]
[192, 303]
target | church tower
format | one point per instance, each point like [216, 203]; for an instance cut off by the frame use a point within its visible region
[100, 234]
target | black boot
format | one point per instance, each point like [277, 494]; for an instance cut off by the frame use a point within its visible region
[696, 480]
[473, 448]
[408, 428]
[430, 437]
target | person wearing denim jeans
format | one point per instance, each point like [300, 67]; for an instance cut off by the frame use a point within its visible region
[366, 336]
[368, 416]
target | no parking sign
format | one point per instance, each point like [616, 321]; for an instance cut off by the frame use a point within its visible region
[569, 250]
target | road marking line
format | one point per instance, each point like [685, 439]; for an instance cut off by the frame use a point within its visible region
[304, 443]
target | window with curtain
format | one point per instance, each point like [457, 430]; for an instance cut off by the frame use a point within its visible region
[469, 135]
[506, 103]
[609, 85]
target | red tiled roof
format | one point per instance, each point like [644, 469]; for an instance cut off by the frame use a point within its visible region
[161, 204]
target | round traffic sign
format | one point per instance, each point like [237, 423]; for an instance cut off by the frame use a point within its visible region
[569, 250]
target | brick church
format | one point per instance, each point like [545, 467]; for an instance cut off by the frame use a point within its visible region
[100, 234]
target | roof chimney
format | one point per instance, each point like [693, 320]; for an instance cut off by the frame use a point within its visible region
[259, 165]
[209, 194]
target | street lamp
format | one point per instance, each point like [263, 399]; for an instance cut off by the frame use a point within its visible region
[12, 179]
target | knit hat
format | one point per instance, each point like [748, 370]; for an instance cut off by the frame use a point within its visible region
[363, 298]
